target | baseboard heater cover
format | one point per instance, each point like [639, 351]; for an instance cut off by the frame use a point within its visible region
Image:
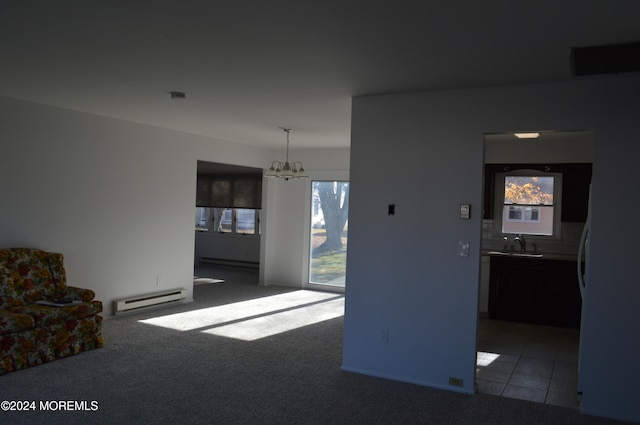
[148, 301]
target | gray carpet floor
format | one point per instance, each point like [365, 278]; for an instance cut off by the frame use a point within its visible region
[149, 374]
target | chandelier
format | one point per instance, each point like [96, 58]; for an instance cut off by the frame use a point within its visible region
[286, 170]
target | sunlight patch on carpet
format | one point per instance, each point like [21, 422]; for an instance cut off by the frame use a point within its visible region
[276, 323]
[246, 311]
[203, 280]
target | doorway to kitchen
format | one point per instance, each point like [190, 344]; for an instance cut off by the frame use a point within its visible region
[529, 328]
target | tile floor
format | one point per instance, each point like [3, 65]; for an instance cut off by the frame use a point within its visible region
[529, 362]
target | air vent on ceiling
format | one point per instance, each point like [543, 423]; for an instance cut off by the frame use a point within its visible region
[607, 59]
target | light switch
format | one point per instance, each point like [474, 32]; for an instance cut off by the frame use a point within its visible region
[463, 248]
[392, 209]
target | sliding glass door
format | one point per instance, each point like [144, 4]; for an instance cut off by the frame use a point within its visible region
[329, 228]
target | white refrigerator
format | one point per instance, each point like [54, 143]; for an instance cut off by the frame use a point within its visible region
[583, 264]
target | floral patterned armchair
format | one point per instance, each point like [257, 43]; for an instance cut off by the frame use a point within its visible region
[32, 333]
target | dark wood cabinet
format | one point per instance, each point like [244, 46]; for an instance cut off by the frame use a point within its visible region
[534, 291]
[576, 179]
[563, 304]
[514, 289]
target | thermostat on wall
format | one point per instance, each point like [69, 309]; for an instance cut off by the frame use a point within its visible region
[465, 211]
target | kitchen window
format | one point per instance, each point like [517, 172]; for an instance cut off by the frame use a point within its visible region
[529, 203]
[523, 214]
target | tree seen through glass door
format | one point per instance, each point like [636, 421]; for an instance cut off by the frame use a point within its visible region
[329, 229]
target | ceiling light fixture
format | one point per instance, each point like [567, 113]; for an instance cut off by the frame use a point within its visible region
[286, 170]
[527, 135]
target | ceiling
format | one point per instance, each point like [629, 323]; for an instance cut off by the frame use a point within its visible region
[248, 67]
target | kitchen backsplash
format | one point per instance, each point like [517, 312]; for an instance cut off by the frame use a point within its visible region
[568, 244]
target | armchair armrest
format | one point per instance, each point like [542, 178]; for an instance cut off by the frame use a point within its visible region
[79, 293]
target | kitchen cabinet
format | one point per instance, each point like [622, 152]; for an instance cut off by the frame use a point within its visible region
[576, 179]
[515, 290]
[533, 290]
[563, 303]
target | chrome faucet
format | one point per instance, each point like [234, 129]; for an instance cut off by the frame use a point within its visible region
[522, 242]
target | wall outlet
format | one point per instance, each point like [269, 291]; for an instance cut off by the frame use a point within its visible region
[456, 382]
[383, 335]
[159, 280]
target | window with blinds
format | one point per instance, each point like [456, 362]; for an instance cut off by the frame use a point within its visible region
[229, 191]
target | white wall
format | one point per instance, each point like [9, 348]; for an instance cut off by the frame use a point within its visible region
[116, 198]
[227, 246]
[404, 273]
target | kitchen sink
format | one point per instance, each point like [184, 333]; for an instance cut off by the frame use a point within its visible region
[527, 254]
[516, 254]
[498, 253]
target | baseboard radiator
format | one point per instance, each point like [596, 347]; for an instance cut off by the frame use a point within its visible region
[235, 263]
[143, 302]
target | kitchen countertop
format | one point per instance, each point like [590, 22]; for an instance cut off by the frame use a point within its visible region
[534, 255]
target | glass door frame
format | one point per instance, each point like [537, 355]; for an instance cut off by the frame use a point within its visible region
[341, 176]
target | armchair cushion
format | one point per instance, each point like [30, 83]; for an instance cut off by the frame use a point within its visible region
[47, 315]
[81, 294]
[7, 293]
[11, 322]
[36, 274]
